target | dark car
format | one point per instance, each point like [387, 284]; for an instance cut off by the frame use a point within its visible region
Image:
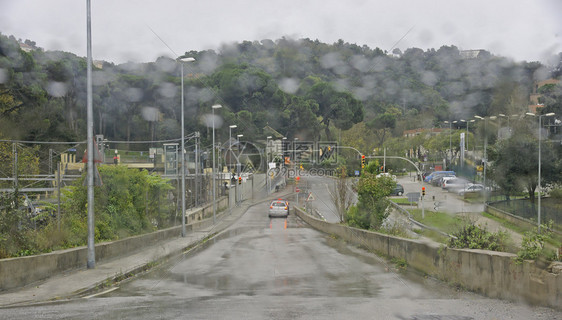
[398, 190]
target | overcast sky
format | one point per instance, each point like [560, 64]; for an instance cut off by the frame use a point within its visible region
[528, 30]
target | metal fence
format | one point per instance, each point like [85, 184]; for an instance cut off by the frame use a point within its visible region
[551, 209]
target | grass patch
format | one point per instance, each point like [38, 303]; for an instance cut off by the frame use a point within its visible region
[399, 263]
[505, 223]
[555, 240]
[438, 220]
[434, 235]
[403, 201]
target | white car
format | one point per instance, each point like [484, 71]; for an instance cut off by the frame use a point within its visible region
[278, 208]
[445, 179]
[454, 185]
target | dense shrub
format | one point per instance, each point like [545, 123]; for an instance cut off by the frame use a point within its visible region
[471, 236]
[556, 193]
[533, 244]
[130, 202]
[371, 209]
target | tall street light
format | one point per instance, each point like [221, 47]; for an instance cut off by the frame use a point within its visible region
[216, 106]
[467, 122]
[501, 115]
[230, 140]
[539, 186]
[485, 160]
[230, 134]
[91, 256]
[267, 149]
[183, 233]
[450, 141]
[238, 169]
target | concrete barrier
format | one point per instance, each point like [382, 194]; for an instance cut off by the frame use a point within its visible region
[18, 272]
[490, 273]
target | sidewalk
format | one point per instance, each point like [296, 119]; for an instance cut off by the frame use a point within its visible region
[84, 282]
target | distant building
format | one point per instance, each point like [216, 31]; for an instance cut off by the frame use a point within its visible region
[25, 47]
[471, 54]
[539, 84]
[535, 95]
[533, 108]
[98, 64]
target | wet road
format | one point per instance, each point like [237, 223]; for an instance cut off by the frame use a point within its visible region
[263, 268]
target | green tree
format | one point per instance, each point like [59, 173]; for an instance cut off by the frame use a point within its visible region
[340, 107]
[300, 118]
[384, 123]
[438, 145]
[371, 209]
[515, 164]
[28, 160]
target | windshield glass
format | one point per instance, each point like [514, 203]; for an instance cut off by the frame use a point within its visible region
[288, 159]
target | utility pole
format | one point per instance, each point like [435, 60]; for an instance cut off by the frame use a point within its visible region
[58, 193]
[91, 263]
[15, 152]
[196, 169]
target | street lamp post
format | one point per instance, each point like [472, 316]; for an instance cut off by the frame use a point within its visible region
[238, 166]
[230, 140]
[230, 135]
[216, 106]
[183, 232]
[539, 173]
[91, 256]
[267, 149]
[467, 122]
[230, 154]
[501, 115]
[450, 141]
[485, 158]
[197, 169]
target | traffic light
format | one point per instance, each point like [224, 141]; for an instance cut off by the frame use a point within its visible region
[362, 161]
[297, 179]
[239, 180]
[423, 191]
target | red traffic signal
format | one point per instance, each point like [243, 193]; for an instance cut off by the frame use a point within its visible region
[362, 161]
[423, 191]
[239, 180]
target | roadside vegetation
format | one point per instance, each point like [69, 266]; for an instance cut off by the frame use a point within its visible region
[130, 202]
[471, 236]
[535, 245]
[372, 206]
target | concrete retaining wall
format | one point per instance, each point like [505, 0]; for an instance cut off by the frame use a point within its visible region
[490, 273]
[18, 272]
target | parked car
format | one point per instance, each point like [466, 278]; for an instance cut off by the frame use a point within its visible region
[471, 188]
[445, 179]
[386, 174]
[437, 179]
[436, 173]
[278, 208]
[453, 185]
[398, 190]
